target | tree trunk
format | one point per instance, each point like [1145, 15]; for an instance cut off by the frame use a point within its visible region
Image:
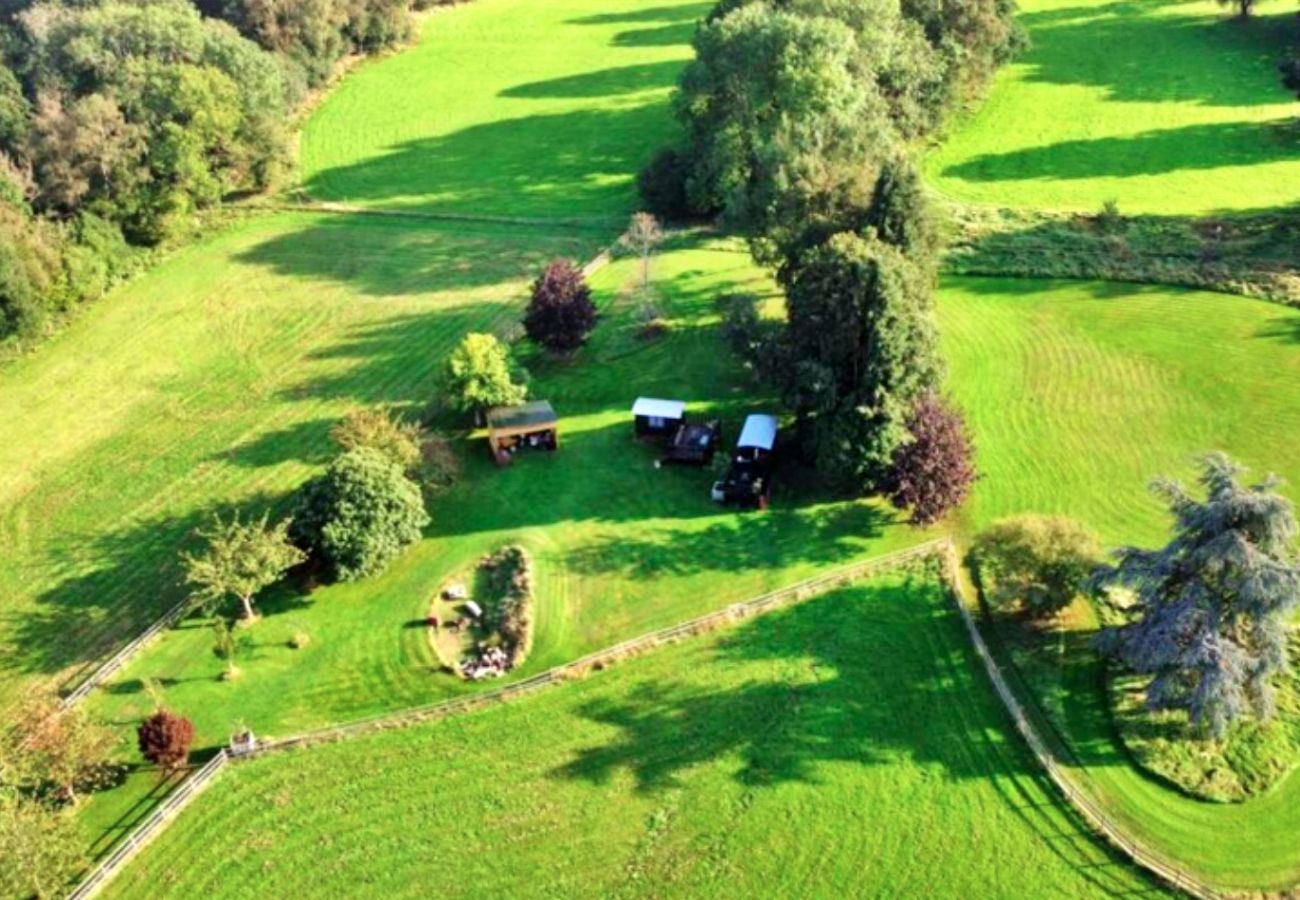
[247, 601]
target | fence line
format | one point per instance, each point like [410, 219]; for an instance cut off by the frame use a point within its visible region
[1084, 804]
[944, 548]
[802, 590]
[149, 828]
[120, 658]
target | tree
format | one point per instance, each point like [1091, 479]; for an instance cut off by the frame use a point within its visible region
[165, 739]
[359, 514]
[560, 313]
[1042, 562]
[85, 150]
[642, 236]
[860, 349]
[480, 374]
[53, 751]
[1208, 618]
[932, 470]
[784, 133]
[40, 846]
[117, 78]
[242, 558]
[376, 428]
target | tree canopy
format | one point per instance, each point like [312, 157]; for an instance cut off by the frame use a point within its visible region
[1208, 618]
[560, 312]
[861, 345]
[481, 373]
[240, 560]
[359, 514]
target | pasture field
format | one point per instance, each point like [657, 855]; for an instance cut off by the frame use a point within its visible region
[621, 547]
[211, 383]
[1166, 106]
[847, 745]
[508, 107]
[1078, 395]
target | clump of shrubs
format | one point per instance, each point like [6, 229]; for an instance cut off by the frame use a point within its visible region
[425, 456]
[510, 611]
[165, 739]
[1040, 562]
[379, 430]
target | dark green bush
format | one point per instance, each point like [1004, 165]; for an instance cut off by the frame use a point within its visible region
[358, 515]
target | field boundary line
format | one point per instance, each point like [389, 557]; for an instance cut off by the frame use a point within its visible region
[343, 208]
[147, 830]
[601, 659]
[114, 663]
[1083, 803]
[122, 853]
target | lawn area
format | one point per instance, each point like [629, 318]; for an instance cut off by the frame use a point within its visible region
[1079, 394]
[1166, 106]
[620, 546]
[508, 107]
[212, 381]
[848, 745]
[209, 383]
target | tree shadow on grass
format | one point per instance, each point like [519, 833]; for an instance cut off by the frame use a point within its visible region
[395, 257]
[1284, 329]
[604, 83]
[682, 12]
[1149, 153]
[123, 581]
[756, 541]
[572, 165]
[859, 682]
[861, 677]
[1138, 52]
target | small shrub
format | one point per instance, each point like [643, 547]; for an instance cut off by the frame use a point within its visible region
[649, 314]
[299, 640]
[377, 429]
[439, 466]
[560, 312]
[1109, 219]
[165, 739]
[1041, 562]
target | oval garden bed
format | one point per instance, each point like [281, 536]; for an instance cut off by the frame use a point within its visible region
[481, 622]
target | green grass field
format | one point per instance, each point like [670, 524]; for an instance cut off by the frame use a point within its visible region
[508, 107]
[621, 547]
[1166, 106]
[1078, 395]
[846, 746]
[212, 382]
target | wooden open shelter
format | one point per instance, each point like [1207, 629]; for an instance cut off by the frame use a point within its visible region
[514, 428]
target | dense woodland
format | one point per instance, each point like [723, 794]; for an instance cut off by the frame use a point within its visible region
[118, 120]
